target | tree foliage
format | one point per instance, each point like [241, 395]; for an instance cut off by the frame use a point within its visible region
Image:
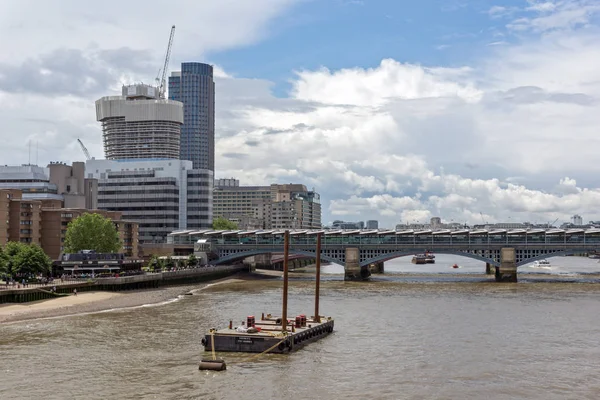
[3, 262]
[92, 232]
[221, 223]
[19, 258]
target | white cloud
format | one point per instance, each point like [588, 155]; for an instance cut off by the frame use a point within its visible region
[551, 15]
[202, 25]
[374, 87]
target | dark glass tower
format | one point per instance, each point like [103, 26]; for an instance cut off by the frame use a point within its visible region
[195, 88]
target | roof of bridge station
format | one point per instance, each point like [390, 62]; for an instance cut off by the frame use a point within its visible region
[342, 232]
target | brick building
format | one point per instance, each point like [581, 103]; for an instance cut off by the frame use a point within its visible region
[44, 222]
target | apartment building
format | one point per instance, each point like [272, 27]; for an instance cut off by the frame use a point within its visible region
[289, 206]
[44, 222]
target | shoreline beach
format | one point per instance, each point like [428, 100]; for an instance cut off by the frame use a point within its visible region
[97, 301]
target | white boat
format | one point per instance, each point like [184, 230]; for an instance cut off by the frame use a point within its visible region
[542, 264]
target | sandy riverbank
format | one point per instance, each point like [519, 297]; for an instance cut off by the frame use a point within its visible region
[88, 302]
[14, 311]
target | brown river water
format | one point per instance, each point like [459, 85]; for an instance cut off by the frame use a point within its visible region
[412, 333]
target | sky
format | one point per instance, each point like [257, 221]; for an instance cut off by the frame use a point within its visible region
[474, 111]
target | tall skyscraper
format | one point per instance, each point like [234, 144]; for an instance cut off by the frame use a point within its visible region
[195, 88]
[140, 125]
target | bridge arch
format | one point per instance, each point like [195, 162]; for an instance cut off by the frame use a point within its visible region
[552, 254]
[243, 254]
[404, 253]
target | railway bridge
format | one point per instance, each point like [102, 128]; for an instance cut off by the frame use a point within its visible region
[358, 251]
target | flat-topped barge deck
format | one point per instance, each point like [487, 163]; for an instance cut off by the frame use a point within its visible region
[268, 335]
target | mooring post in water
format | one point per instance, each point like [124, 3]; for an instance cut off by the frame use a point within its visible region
[318, 278]
[286, 253]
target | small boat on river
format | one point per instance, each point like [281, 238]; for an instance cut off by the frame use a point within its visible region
[542, 264]
[429, 258]
[419, 259]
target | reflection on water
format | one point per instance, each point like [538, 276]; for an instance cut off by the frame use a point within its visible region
[402, 335]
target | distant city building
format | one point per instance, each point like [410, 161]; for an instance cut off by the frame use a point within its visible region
[31, 180]
[268, 207]
[139, 125]
[58, 181]
[513, 225]
[71, 183]
[435, 223]
[372, 224]
[44, 222]
[338, 224]
[232, 182]
[577, 220]
[160, 195]
[195, 88]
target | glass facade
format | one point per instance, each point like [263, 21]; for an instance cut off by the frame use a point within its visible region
[195, 88]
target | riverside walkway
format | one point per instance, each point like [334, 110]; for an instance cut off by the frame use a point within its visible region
[18, 293]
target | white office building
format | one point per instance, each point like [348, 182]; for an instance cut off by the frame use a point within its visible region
[161, 195]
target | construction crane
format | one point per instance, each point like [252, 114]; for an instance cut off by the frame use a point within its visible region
[482, 220]
[552, 224]
[85, 150]
[161, 82]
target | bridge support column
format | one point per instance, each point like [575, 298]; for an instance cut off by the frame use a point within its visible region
[376, 268]
[507, 271]
[489, 269]
[352, 270]
[259, 261]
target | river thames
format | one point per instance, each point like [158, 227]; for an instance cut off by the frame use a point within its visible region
[416, 332]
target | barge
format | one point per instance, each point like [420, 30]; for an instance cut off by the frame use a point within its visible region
[270, 334]
[267, 335]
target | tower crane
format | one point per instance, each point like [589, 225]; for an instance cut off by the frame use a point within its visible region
[85, 150]
[161, 82]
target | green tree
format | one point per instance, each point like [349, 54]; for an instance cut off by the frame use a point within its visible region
[92, 232]
[32, 260]
[221, 223]
[153, 264]
[11, 252]
[20, 258]
[192, 260]
[3, 263]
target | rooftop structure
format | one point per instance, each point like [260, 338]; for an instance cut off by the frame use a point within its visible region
[420, 238]
[31, 180]
[138, 124]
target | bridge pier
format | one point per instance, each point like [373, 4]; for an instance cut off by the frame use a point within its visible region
[352, 270]
[507, 271]
[376, 268]
[259, 261]
[489, 269]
